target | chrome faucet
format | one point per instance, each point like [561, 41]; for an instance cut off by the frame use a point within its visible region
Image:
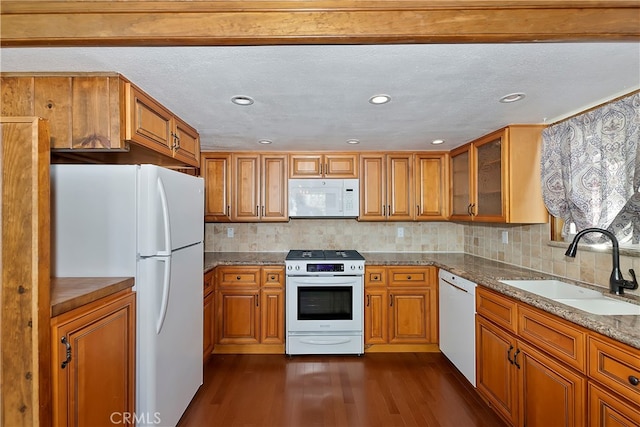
[617, 284]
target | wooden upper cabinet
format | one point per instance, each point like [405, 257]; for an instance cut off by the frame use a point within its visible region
[274, 188]
[386, 187]
[97, 113]
[259, 187]
[150, 123]
[431, 185]
[314, 165]
[215, 168]
[186, 143]
[497, 178]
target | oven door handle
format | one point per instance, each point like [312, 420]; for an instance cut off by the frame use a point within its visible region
[331, 281]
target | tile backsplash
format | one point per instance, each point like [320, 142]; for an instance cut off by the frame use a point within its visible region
[335, 234]
[528, 245]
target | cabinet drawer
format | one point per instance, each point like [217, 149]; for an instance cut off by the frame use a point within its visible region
[615, 365]
[239, 276]
[273, 277]
[561, 339]
[375, 276]
[500, 310]
[412, 276]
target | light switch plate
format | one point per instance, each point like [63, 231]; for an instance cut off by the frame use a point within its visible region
[230, 232]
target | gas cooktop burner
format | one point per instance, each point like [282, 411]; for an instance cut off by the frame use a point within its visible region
[315, 255]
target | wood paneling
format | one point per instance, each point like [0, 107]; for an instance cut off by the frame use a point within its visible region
[25, 350]
[321, 22]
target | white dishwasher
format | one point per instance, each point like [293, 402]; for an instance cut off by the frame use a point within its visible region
[457, 298]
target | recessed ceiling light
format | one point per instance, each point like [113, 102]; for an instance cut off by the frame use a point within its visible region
[379, 99]
[437, 141]
[242, 100]
[265, 141]
[353, 141]
[512, 97]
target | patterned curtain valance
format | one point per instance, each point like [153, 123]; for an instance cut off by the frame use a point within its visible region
[591, 170]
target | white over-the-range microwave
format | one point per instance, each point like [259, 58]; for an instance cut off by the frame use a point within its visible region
[324, 198]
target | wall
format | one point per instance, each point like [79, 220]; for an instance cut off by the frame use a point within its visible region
[335, 234]
[528, 245]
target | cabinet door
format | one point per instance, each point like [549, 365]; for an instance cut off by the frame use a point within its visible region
[496, 375]
[607, 410]
[431, 176]
[186, 145]
[373, 188]
[399, 187]
[490, 179]
[272, 316]
[208, 326]
[461, 185]
[238, 319]
[98, 379]
[149, 123]
[550, 393]
[305, 166]
[410, 317]
[274, 188]
[216, 170]
[341, 165]
[208, 315]
[376, 316]
[245, 188]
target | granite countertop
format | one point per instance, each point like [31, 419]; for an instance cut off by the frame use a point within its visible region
[68, 293]
[485, 272]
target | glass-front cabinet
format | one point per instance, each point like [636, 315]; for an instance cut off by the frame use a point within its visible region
[477, 180]
[496, 178]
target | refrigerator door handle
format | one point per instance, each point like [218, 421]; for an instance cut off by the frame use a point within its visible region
[165, 219]
[166, 287]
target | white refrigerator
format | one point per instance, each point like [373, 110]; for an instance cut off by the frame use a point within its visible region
[148, 222]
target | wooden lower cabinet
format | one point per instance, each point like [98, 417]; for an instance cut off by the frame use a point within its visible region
[249, 309]
[525, 385]
[496, 379]
[93, 363]
[550, 394]
[208, 316]
[400, 312]
[609, 410]
[614, 383]
[409, 320]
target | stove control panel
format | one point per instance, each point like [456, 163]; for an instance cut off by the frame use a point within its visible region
[325, 268]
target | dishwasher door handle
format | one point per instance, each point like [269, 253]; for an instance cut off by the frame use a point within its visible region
[457, 287]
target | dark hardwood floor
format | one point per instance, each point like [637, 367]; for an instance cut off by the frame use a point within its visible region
[377, 389]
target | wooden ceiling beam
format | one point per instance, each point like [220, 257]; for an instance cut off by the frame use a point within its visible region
[257, 22]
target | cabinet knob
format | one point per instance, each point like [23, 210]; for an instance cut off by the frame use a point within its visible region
[273, 277]
[237, 277]
[408, 277]
[633, 380]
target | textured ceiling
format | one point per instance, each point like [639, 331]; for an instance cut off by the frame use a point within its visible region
[316, 97]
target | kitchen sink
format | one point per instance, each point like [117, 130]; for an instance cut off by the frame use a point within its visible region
[604, 305]
[575, 296]
[553, 289]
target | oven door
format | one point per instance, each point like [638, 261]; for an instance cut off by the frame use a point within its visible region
[324, 304]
